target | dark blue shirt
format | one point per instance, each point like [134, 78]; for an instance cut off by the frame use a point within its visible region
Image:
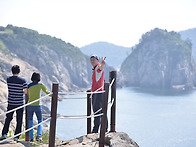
[15, 90]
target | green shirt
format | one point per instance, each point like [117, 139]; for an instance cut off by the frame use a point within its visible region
[34, 92]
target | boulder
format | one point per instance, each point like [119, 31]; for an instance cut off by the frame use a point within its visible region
[115, 139]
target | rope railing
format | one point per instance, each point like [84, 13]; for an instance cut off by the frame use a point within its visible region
[78, 117]
[77, 93]
[85, 116]
[62, 98]
[25, 130]
[111, 102]
[111, 83]
[96, 91]
[54, 116]
[25, 105]
[82, 116]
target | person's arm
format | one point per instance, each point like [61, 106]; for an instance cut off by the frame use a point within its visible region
[25, 91]
[45, 89]
[25, 87]
[102, 63]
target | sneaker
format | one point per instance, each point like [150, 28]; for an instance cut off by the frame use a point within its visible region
[39, 138]
[16, 139]
[3, 137]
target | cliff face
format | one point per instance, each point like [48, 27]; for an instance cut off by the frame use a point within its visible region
[56, 60]
[190, 35]
[117, 139]
[161, 60]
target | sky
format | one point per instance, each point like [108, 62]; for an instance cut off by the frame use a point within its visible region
[82, 22]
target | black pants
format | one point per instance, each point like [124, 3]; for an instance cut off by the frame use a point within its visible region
[97, 104]
[9, 117]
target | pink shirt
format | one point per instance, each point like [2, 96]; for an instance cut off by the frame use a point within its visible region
[97, 79]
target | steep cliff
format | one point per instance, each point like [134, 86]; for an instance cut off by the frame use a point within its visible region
[55, 59]
[190, 35]
[161, 60]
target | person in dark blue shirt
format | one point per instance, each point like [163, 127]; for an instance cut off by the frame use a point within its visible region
[17, 86]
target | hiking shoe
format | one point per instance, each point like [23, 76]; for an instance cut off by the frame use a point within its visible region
[3, 137]
[39, 138]
[31, 140]
[16, 139]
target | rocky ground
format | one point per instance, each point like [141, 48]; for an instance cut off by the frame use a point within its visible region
[118, 139]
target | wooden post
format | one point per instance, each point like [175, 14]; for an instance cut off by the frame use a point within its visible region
[26, 119]
[113, 98]
[104, 116]
[52, 132]
[88, 113]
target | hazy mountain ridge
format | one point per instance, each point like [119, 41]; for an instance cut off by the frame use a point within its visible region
[114, 54]
[161, 60]
[190, 34]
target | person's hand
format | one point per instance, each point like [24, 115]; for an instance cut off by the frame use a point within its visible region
[103, 60]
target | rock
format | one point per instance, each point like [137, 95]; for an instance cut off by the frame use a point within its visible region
[161, 60]
[117, 139]
[12, 143]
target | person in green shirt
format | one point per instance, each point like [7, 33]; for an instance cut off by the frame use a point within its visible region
[34, 93]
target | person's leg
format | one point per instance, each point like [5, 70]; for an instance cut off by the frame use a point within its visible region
[19, 117]
[8, 119]
[38, 113]
[30, 111]
[97, 104]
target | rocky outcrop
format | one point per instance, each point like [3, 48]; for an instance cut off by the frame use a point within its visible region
[161, 60]
[118, 139]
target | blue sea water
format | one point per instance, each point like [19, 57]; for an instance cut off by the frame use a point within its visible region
[152, 118]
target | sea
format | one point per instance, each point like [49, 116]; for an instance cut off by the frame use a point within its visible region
[152, 118]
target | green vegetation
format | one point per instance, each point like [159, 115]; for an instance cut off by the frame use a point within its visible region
[4, 49]
[160, 55]
[17, 37]
[162, 43]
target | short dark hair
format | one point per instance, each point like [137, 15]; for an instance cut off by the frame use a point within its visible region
[35, 77]
[15, 69]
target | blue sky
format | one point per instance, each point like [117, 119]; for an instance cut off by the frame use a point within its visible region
[81, 22]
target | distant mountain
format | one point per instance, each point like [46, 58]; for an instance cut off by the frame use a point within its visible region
[114, 54]
[190, 34]
[161, 60]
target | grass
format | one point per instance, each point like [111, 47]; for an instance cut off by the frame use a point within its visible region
[45, 138]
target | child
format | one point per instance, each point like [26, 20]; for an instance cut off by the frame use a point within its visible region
[34, 92]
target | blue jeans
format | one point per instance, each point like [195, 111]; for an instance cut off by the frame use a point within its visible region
[38, 112]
